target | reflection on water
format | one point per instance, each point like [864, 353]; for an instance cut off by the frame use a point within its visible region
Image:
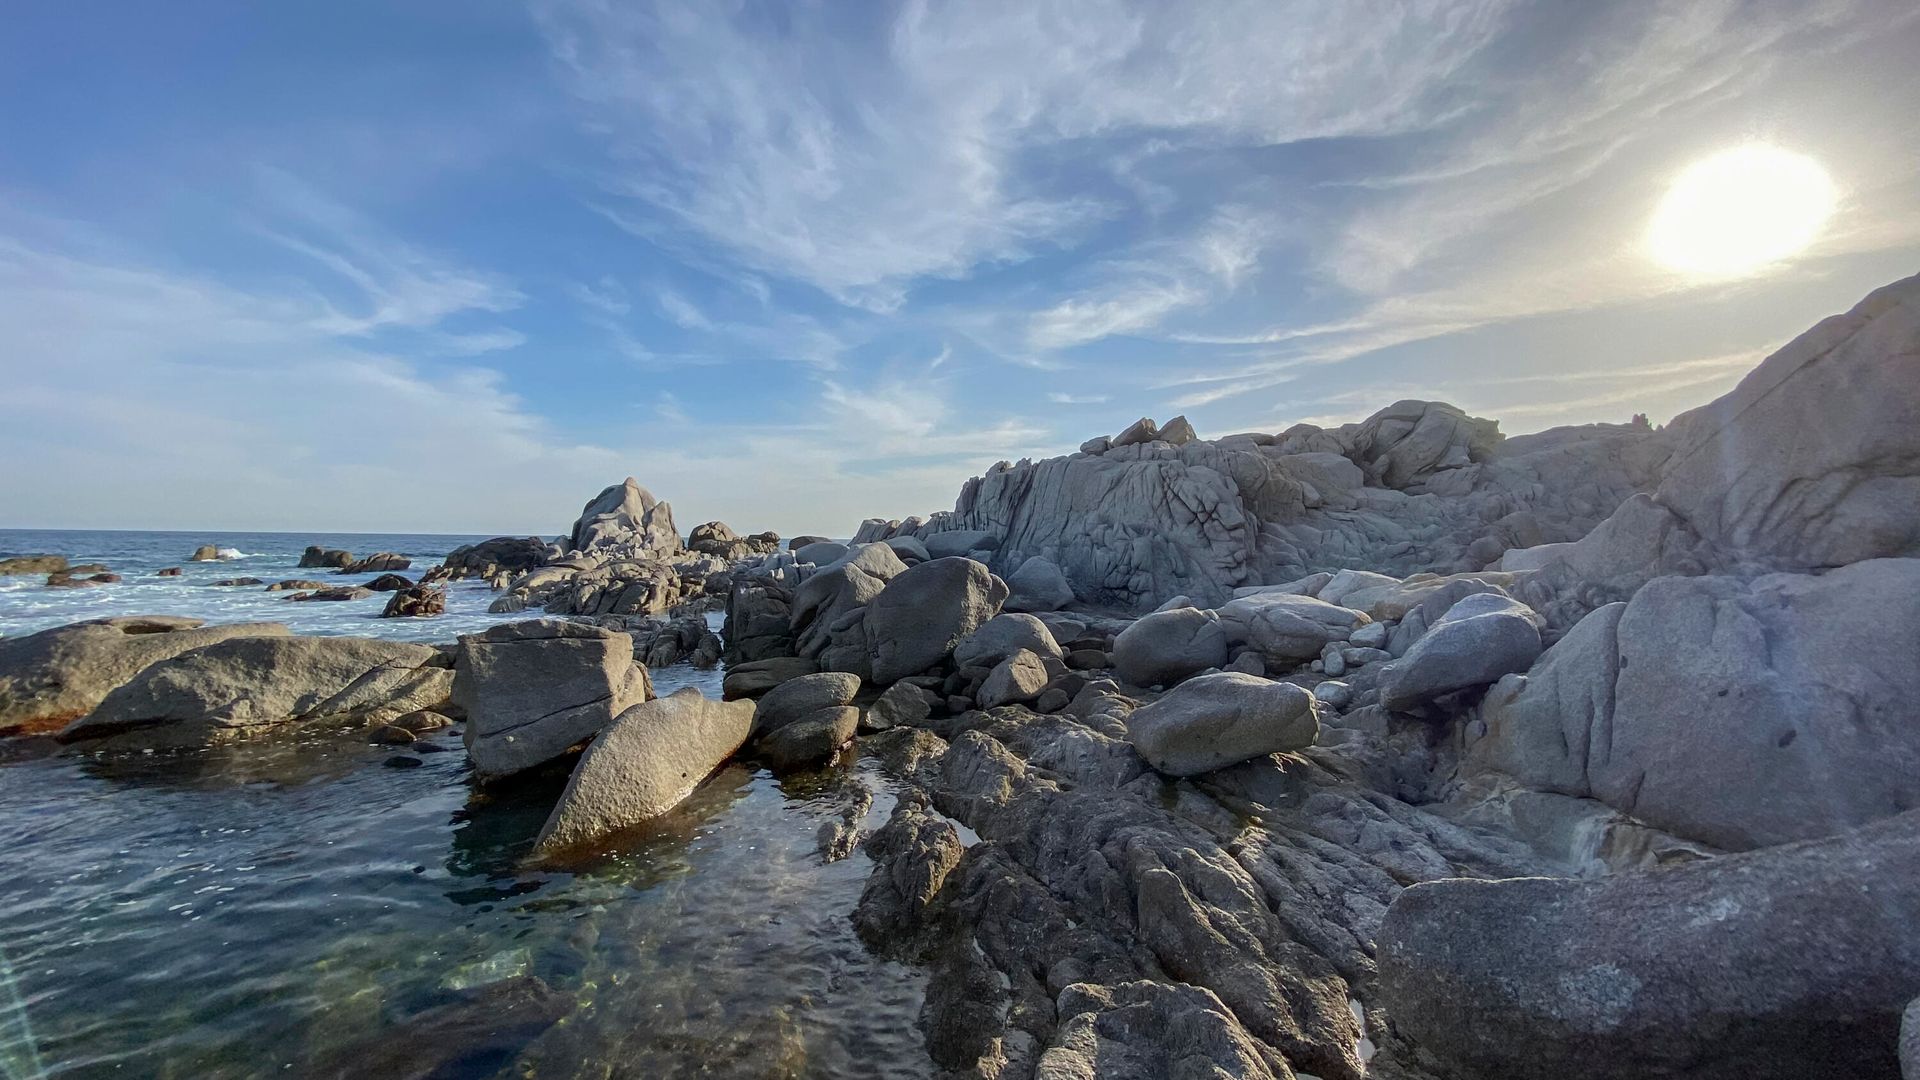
[293, 907]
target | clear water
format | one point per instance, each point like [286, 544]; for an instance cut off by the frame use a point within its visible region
[299, 907]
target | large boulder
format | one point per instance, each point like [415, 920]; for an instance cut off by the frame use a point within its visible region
[811, 740]
[532, 690]
[1220, 719]
[317, 556]
[1788, 963]
[626, 519]
[918, 618]
[381, 562]
[1287, 628]
[755, 677]
[1001, 637]
[1015, 680]
[33, 564]
[1039, 585]
[244, 687]
[54, 677]
[488, 558]
[1740, 714]
[796, 698]
[957, 542]
[650, 758]
[1168, 646]
[415, 602]
[834, 591]
[1478, 639]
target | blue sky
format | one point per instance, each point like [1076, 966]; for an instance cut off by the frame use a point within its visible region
[453, 267]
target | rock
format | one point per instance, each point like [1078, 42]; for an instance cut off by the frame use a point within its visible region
[377, 563]
[65, 581]
[171, 571]
[811, 740]
[625, 519]
[650, 758]
[205, 553]
[239, 582]
[532, 690]
[491, 558]
[1099, 444]
[1792, 962]
[1910, 1042]
[755, 677]
[1735, 713]
[248, 686]
[797, 698]
[1333, 693]
[1168, 646]
[390, 735]
[389, 583]
[1052, 700]
[342, 592]
[316, 556]
[821, 553]
[1177, 432]
[1017, 679]
[959, 542]
[1248, 663]
[1288, 629]
[415, 601]
[900, 704]
[1039, 585]
[467, 1037]
[1213, 721]
[825, 602]
[1087, 659]
[1143, 430]
[921, 614]
[290, 585]
[54, 677]
[33, 564]
[1148, 1031]
[1371, 636]
[1001, 637]
[713, 537]
[1477, 641]
[799, 542]
[423, 720]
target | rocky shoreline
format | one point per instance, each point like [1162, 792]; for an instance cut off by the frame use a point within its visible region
[1401, 749]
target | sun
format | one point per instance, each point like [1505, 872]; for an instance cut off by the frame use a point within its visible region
[1739, 211]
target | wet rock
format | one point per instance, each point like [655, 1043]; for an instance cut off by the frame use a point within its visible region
[918, 618]
[914, 852]
[237, 582]
[802, 696]
[54, 677]
[1791, 962]
[1168, 646]
[650, 758]
[171, 571]
[316, 556]
[415, 602]
[290, 585]
[812, 739]
[245, 687]
[532, 690]
[389, 583]
[377, 563]
[33, 564]
[464, 1038]
[342, 592]
[391, 735]
[205, 553]
[490, 558]
[1216, 720]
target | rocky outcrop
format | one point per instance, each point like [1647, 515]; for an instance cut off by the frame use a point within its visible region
[1791, 963]
[533, 690]
[33, 564]
[500, 555]
[52, 678]
[626, 519]
[249, 686]
[647, 760]
[415, 602]
[1039, 585]
[316, 556]
[382, 562]
[205, 553]
[715, 538]
[923, 612]
[1222, 719]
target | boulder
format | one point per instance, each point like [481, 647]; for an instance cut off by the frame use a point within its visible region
[533, 690]
[1039, 585]
[803, 540]
[755, 677]
[811, 740]
[249, 686]
[802, 696]
[205, 553]
[289, 585]
[415, 602]
[1735, 713]
[1018, 679]
[340, 592]
[910, 550]
[1001, 637]
[241, 582]
[625, 519]
[1213, 721]
[713, 537]
[33, 564]
[1177, 432]
[1479, 639]
[1168, 646]
[821, 553]
[827, 598]
[389, 583]
[171, 571]
[918, 618]
[54, 677]
[1143, 430]
[1288, 629]
[647, 760]
[957, 542]
[900, 704]
[380, 562]
[316, 556]
[1788, 963]
[500, 555]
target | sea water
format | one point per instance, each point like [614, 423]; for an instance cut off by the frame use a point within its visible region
[314, 905]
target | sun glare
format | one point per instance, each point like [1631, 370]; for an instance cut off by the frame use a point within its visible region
[1740, 210]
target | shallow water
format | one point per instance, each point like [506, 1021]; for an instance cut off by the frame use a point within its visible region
[27, 605]
[303, 907]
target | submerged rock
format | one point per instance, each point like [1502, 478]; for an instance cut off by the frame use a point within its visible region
[647, 760]
[54, 677]
[533, 690]
[1789, 963]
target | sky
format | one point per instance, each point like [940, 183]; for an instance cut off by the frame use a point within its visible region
[456, 266]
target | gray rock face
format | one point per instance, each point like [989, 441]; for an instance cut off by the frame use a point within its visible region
[245, 687]
[958, 542]
[1039, 585]
[915, 622]
[796, 698]
[1147, 1031]
[1015, 680]
[1479, 639]
[532, 690]
[378, 563]
[1221, 719]
[755, 677]
[901, 703]
[821, 552]
[1739, 714]
[1791, 963]
[1286, 628]
[626, 519]
[1001, 637]
[1168, 646]
[825, 601]
[650, 758]
[52, 678]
